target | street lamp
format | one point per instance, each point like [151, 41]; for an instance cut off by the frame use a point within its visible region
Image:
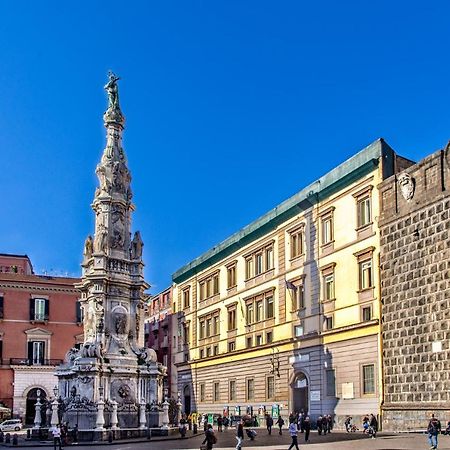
[101, 391]
[56, 391]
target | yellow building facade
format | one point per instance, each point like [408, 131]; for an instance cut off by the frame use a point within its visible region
[284, 315]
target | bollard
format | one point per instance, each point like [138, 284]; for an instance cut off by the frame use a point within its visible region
[149, 433]
[195, 428]
[7, 438]
[28, 433]
[110, 437]
[15, 440]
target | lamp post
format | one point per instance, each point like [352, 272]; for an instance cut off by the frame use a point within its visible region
[55, 419]
[100, 421]
[37, 413]
[179, 406]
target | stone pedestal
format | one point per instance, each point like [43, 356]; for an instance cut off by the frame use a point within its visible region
[100, 420]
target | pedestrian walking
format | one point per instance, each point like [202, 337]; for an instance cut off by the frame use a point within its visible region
[210, 437]
[293, 432]
[373, 426]
[269, 423]
[280, 423]
[434, 428]
[56, 432]
[329, 423]
[219, 424]
[307, 428]
[319, 425]
[240, 434]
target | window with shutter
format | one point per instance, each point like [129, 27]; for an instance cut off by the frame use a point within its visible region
[1, 308]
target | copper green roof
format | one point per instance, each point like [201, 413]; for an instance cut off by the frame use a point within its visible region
[336, 179]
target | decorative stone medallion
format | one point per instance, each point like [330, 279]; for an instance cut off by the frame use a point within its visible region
[407, 186]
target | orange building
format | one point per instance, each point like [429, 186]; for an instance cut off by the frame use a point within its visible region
[40, 320]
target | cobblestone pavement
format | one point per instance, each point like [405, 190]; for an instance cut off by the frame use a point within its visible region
[335, 441]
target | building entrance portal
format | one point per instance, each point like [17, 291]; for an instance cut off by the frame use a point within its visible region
[300, 391]
[187, 400]
[31, 405]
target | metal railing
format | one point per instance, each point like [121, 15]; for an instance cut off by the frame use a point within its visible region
[34, 362]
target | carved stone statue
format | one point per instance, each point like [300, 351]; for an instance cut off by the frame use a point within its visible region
[113, 91]
[407, 185]
[121, 323]
[88, 247]
[136, 246]
[100, 239]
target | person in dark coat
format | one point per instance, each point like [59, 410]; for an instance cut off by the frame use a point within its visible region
[210, 437]
[219, 423]
[269, 423]
[307, 428]
[239, 434]
[319, 425]
[280, 423]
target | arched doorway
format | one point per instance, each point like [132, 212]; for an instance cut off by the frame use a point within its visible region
[31, 405]
[187, 400]
[300, 393]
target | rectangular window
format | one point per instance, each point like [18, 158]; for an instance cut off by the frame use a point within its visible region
[270, 388]
[215, 322]
[365, 275]
[259, 310]
[208, 352]
[249, 342]
[231, 319]
[328, 322]
[329, 286]
[1, 308]
[38, 309]
[259, 266]
[232, 390]
[259, 340]
[202, 353]
[186, 334]
[259, 261]
[298, 329]
[202, 392]
[249, 312]
[367, 314]
[78, 312]
[331, 382]
[327, 230]
[215, 350]
[231, 276]
[231, 346]
[296, 241]
[249, 273]
[269, 307]
[36, 352]
[216, 391]
[202, 330]
[269, 337]
[165, 359]
[368, 373]
[250, 389]
[186, 298]
[364, 211]
[209, 286]
[269, 258]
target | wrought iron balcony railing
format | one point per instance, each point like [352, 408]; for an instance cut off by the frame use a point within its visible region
[34, 362]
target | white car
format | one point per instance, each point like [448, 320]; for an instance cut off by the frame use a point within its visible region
[11, 425]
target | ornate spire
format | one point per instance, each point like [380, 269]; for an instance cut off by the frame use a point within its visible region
[112, 202]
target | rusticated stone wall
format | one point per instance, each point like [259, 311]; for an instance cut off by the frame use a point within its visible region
[415, 292]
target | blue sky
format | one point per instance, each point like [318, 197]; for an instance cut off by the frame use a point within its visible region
[232, 106]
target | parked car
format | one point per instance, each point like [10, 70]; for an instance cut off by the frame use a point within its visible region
[11, 425]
